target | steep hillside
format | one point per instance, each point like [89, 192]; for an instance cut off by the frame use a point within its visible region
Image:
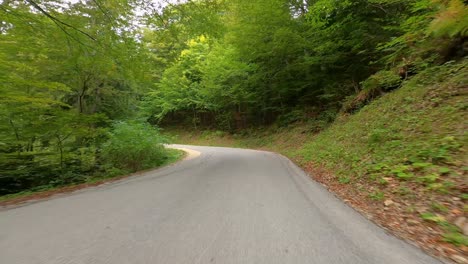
[401, 160]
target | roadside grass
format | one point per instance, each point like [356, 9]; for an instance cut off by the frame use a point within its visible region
[408, 146]
[414, 134]
[172, 156]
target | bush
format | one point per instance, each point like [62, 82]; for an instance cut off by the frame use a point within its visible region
[134, 146]
[382, 81]
[451, 22]
[373, 87]
[290, 117]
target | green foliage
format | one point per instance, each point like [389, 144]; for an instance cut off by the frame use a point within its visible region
[208, 135]
[403, 191]
[344, 179]
[452, 22]
[266, 59]
[444, 187]
[444, 170]
[440, 153]
[452, 233]
[382, 181]
[377, 195]
[439, 207]
[420, 166]
[61, 86]
[373, 87]
[433, 218]
[233, 64]
[380, 135]
[402, 172]
[134, 146]
[429, 179]
[290, 117]
[226, 65]
[456, 238]
[382, 81]
[410, 140]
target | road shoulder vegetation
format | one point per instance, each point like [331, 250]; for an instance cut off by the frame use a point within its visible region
[11, 200]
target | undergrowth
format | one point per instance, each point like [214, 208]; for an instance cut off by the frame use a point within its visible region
[171, 156]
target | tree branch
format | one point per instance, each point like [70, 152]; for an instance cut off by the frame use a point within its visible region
[58, 21]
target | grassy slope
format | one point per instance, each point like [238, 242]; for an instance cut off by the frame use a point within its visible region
[407, 148]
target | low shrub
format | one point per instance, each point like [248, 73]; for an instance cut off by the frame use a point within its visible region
[373, 87]
[134, 146]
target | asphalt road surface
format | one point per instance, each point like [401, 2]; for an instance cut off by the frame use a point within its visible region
[225, 206]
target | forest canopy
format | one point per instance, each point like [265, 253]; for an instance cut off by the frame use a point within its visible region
[76, 77]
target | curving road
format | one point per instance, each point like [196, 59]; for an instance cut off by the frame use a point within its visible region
[225, 206]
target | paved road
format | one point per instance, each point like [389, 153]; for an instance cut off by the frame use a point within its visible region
[225, 206]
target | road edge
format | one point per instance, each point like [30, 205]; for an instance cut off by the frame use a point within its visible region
[41, 196]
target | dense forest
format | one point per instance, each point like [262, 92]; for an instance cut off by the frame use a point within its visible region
[84, 84]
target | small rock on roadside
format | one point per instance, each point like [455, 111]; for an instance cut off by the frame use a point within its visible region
[421, 209]
[388, 202]
[412, 222]
[441, 250]
[456, 212]
[459, 259]
[465, 229]
[460, 222]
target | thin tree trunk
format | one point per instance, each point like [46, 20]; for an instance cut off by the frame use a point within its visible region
[60, 146]
[15, 130]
